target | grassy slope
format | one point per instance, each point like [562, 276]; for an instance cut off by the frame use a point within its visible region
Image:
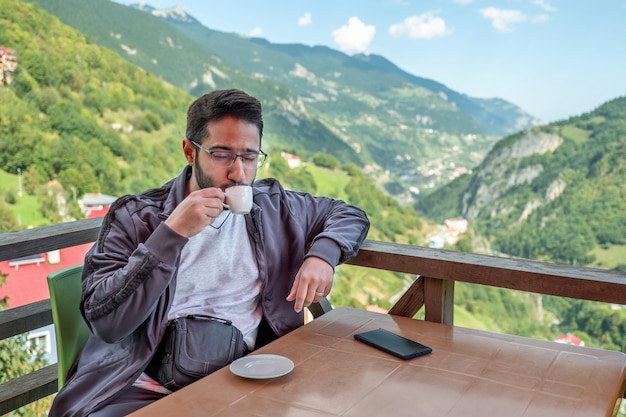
[26, 208]
[463, 318]
[610, 257]
[329, 182]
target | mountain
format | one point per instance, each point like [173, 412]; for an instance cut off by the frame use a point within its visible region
[495, 116]
[403, 133]
[162, 50]
[553, 193]
[77, 118]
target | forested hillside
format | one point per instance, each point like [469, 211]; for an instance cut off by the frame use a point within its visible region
[80, 116]
[412, 134]
[171, 56]
[556, 194]
[69, 112]
[553, 193]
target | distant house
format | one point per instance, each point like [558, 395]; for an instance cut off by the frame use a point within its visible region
[570, 339]
[293, 161]
[8, 63]
[456, 225]
[436, 242]
[95, 204]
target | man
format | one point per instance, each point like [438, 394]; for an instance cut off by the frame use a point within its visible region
[176, 251]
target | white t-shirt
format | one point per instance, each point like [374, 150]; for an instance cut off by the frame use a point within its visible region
[218, 276]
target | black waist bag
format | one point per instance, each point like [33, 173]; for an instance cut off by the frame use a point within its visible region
[193, 347]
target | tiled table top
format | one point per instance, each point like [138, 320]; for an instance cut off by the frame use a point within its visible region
[470, 373]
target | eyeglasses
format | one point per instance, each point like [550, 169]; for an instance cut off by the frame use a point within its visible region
[225, 159]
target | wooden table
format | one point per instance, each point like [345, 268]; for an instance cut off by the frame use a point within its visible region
[469, 373]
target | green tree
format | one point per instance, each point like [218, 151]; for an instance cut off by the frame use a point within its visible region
[464, 244]
[10, 197]
[8, 222]
[301, 180]
[119, 96]
[32, 180]
[352, 170]
[23, 83]
[40, 67]
[278, 165]
[94, 97]
[325, 160]
[150, 122]
[19, 358]
[44, 98]
[48, 205]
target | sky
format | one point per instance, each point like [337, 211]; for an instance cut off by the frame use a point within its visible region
[552, 58]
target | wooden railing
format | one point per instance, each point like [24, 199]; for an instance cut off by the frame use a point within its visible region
[43, 382]
[437, 270]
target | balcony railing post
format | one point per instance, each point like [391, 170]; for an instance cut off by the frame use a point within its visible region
[411, 301]
[439, 300]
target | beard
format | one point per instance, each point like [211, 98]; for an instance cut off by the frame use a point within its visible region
[202, 180]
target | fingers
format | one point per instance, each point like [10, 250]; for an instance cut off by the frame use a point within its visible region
[196, 211]
[304, 296]
[313, 282]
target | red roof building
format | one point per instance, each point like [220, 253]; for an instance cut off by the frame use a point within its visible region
[8, 63]
[26, 281]
[570, 339]
[26, 277]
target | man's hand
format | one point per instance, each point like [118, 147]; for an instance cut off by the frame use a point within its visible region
[196, 211]
[313, 282]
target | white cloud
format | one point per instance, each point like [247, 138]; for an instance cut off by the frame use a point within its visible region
[305, 19]
[355, 37]
[425, 26]
[256, 32]
[540, 18]
[544, 5]
[503, 20]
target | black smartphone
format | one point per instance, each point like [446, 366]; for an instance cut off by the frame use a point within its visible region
[393, 343]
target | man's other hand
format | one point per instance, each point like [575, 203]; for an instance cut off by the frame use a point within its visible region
[313, 282]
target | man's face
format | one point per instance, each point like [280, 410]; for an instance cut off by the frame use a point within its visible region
[231, 135]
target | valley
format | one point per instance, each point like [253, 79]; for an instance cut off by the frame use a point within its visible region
[401, 142]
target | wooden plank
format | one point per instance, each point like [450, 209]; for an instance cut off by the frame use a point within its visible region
[31, 387]
[439, 300]
[516, 274]
[411, 301]
[25, 318]
[46, 238]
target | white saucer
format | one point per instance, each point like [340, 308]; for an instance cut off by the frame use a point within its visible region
[261, 366]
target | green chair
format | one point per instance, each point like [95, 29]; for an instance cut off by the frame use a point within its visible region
[69, 326]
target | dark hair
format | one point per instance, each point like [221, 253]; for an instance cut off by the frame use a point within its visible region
[218, 104]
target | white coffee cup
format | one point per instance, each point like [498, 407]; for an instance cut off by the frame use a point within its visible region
[239, 199]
